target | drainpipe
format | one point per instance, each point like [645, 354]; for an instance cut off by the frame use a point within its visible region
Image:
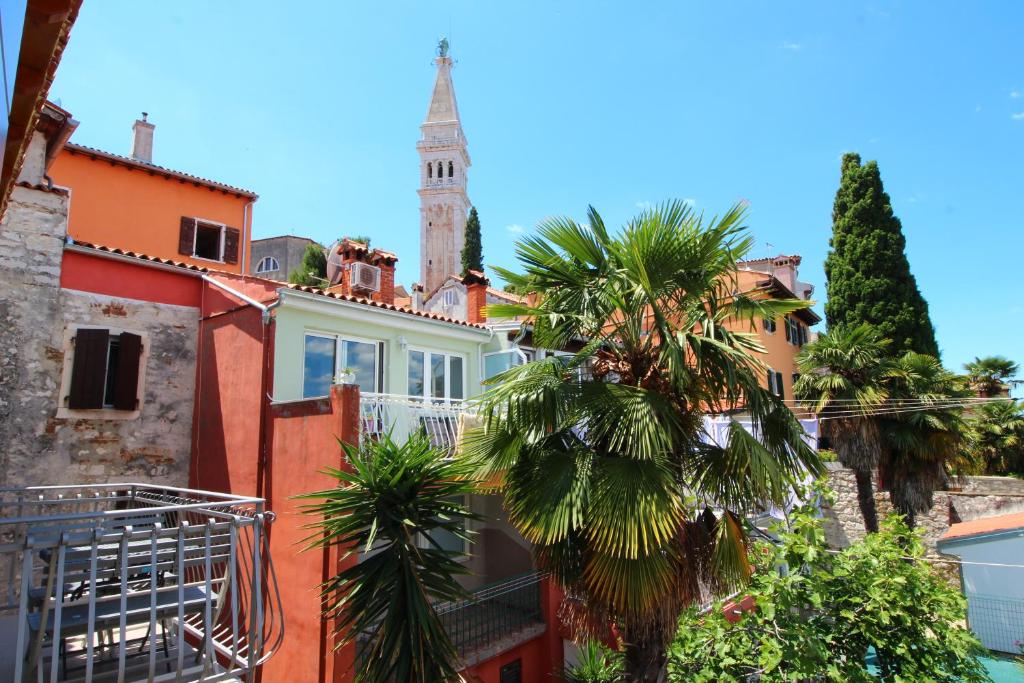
[247, 231]
[263, 471]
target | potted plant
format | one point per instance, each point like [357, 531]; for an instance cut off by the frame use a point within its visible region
[345, 376]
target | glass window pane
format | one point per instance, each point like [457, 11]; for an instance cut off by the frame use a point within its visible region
[447, 540]
[436, 375]
[361, 358]
[500, 361]
[455, 370]
[318, 370]
[415, 373]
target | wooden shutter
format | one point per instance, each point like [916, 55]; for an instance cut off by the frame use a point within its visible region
[89, 372]
[231, 245]
[126, 377]
[771, 381]
[778, 385]
[187, 236]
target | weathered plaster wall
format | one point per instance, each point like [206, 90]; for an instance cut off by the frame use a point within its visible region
[981, 497]
[36, 447]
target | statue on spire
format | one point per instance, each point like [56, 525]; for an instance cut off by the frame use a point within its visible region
[442, 47]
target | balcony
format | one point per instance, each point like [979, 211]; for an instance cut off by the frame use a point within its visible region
[441, 420]
[433, 141]
[132, 582]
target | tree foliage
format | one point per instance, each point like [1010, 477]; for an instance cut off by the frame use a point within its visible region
[607, 468]
[388, 503]
[868, 277]
[844, 375]
[312, 270]
[816, 614]
[996, 438]
[472, 248]
[992, 375]
[923, 443]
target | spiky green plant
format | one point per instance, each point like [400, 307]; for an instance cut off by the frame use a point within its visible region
[597, 664]
[606, 465]
[844, 376]
[390, 500]
[996, 438]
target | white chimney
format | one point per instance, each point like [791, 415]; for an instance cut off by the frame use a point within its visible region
[142, 140]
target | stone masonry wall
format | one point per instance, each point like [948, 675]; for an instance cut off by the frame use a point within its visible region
[981, 497]
[37, 447]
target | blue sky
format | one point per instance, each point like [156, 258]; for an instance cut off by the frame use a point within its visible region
[317, 106]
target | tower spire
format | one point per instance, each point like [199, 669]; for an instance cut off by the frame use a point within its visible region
[444, 162]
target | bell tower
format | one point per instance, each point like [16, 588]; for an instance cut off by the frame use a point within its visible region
[444, 162]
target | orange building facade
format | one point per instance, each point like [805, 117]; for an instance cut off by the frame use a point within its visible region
[777, 277]
[135, 205]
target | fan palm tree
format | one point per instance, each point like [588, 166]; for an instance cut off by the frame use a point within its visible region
[996, 441]
[607, 467]
[844, 376]
[922, 441]
[990, 376]
[391, 503]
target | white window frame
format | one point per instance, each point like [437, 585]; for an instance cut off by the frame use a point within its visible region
[195, 237]
[260, 269]
[448, 355]
[464, 555]
[104, 413]
[512, 349]
[449, 296]
[339, 338]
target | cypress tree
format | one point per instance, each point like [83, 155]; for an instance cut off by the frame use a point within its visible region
[868, 278]
[472, 249]
[312, 270]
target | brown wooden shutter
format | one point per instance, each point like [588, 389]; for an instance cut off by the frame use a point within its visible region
[89, 372]
[231, 245]
[187, 236]
[126, 379]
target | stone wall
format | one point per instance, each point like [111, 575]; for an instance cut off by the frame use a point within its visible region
[36, 446]
[981, 497]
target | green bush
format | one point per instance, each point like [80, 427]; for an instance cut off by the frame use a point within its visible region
[817, 613]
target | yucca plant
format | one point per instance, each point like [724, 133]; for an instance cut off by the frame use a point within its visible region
[605, 461]
[596, 664]
[390, 501]
[844, 378]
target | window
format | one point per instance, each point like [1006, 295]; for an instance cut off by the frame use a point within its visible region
[268, 264]
[775, 383]
[796, 334]
[449, 297]
[437, 376]
[327, 357]
[498, 362]
[449, 540]
[511, 672]
[769, 325]
[104, 371]
[430, 170]
[208, 240]
[451, 169]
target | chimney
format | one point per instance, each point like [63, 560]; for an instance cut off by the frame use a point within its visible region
[142, 139]
[476, 296]
[349, 252]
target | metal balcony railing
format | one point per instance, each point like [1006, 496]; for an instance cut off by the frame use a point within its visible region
[132, 582]
[401, 416]
[495, 613]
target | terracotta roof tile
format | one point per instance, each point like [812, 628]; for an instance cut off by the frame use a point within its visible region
[167, 172]
[41, 187]
[985, 525]
[288, 285]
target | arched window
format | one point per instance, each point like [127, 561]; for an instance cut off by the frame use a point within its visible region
[268, 264]
[451, 169]
[430, 170]
[440, 171]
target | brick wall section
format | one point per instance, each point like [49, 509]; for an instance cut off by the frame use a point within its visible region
[37, 447]
[476, 296]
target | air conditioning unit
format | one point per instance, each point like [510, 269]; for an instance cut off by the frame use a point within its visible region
[365, 277]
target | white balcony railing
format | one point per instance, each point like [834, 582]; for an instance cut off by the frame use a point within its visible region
[401, 416]
[133, 582]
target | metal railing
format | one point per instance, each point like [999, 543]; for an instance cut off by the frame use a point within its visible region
[401, 416]
[997, 621]
[130, 582]
[494, 613]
